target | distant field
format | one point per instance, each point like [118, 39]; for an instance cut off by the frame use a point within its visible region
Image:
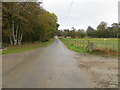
[112, 40]
[101, 43]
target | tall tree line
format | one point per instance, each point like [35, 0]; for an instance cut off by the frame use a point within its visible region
[102, 31]
[27, 22]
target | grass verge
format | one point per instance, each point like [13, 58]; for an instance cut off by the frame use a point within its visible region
[74, 48]
[25, 47]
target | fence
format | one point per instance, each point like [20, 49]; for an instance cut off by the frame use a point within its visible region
[91, 45]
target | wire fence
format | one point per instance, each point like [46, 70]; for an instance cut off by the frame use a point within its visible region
[92, 45]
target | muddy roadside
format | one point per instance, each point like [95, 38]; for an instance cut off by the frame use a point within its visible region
[103, 71]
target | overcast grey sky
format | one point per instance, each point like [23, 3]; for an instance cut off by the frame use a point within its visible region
[83, 12]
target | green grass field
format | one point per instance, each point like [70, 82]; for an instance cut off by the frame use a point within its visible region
[104, 43]
[80, 44]
[25, 47]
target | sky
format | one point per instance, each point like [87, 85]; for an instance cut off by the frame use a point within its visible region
[83, 13]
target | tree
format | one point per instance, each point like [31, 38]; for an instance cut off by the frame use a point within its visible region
[27, 22]
[101, 29]
[89, 31]
[82, 33]
[115, 29]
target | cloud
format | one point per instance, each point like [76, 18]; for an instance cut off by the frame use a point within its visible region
[83, 12]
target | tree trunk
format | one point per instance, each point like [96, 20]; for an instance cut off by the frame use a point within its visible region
[11, 42]
[16, 34]
[13, 33]
[20, 38]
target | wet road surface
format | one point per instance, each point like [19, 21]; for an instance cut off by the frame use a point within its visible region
[49, 67]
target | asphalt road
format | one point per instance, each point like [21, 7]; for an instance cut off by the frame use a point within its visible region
[49, 67]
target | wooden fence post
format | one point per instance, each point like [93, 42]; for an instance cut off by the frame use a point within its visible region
[80, 43]
[75, 43]
[88, 45]
[83, 44]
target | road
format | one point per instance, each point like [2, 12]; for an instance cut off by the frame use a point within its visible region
[48, 67]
